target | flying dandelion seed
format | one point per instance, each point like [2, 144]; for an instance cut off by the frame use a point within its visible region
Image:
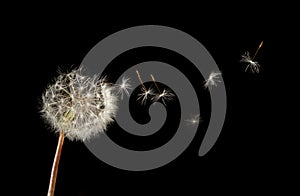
[146, 93]
[252, 65]
[124, 87]
[194, 120]
[212, 80]
[164, 96]
[78, 107]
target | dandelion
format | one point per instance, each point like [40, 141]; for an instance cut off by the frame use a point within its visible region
[164, 96]
[78, 107]
[253, 65]
[124, 87]
[212, 80]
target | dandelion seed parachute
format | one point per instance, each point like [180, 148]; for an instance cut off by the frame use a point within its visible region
[253, 65]
[166, 95]
[124, 87]
[79, 106]
[212, 80]
[194, 120]
[142, 97]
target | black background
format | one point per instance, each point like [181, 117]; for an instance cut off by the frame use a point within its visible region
[247, 156]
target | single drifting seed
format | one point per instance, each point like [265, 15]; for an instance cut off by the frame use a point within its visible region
[194, 120]
[252, 65]
[212, 80]
[124, 87]
[166, 95]
[146, 93]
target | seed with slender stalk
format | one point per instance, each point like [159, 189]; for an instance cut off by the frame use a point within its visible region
[165, 95]
[252, 65]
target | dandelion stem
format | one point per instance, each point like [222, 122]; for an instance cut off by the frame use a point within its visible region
[153, 79]
[140, 79]
[55, 164]
[260, 45]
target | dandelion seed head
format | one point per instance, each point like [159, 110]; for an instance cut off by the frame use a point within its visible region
[79, 106]
[212, 80]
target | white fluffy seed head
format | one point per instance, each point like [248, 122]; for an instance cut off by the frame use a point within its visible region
[79, 106]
